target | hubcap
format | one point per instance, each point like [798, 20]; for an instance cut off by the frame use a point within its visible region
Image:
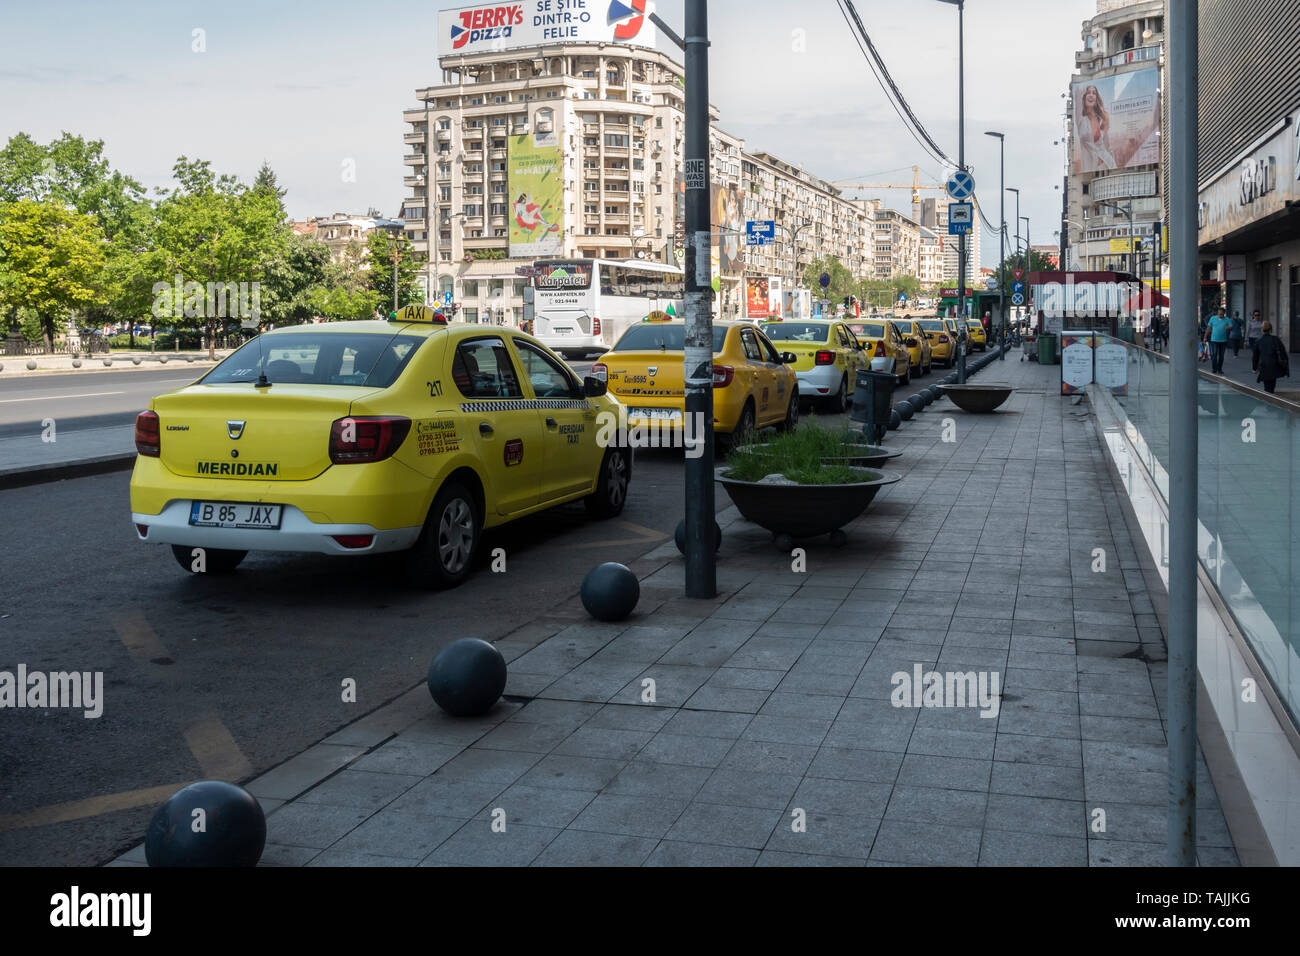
[617, 477]
[455, 535]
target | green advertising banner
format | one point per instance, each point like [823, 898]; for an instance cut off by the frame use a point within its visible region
[536, 199]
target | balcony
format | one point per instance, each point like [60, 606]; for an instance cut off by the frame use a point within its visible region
[498, 153]
[412, 180]
[413, 159]
[413, 138]
[474, 155]
[444, 136]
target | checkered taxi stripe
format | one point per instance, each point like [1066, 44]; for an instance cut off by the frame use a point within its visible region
[516, 404]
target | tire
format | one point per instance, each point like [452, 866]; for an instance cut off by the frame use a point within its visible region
[216, 560]
[839, 402]
[744, 428]
[611, 487]
[907, 377]
[443, 555]
[791, 415]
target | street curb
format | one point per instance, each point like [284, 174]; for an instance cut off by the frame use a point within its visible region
[103, 464]
[117, 366]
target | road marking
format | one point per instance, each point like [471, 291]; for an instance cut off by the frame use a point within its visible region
[643, 534]
[89, 807]
[216, 750]
[51, 398]
[139, 637]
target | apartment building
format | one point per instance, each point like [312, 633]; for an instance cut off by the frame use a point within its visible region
[613, 116]
[1113, 179]
[897, 240]
[934, 216]
[340, 230]
[930, 263]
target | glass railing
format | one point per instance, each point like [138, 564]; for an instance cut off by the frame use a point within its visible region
[1248, 502]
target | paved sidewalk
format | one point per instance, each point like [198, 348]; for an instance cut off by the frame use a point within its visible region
[28, 459]
[45, 364]
[773, 706]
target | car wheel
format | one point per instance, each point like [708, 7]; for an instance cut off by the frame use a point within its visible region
[791, 415]
[743, 430]
[611, 487]
[907, 377]
[840, 401]
[215, 560]
[443, 556]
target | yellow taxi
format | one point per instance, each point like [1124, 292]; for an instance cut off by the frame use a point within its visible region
[943, 341]
[918, 345]
[350, 438]
[881, 338]
[828, 357]
[753, 384]
[978, 339]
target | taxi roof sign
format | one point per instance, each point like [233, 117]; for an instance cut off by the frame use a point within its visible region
[418, 313]
[658, 316]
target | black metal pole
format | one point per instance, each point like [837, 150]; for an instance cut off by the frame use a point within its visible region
[1002, 235]
[701, 570]
[961, 164]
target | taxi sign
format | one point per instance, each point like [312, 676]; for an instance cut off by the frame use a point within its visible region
[658, 316]
[419, 313]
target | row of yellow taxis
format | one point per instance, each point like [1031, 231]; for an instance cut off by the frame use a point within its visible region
[411, 435]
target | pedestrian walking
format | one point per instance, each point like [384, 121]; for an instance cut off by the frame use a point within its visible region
[1235, 333]
[1217, 334]
[1253, 330]
[1158, 334]
[1269, 359]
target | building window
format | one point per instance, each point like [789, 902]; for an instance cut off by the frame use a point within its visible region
[616, 139]
[471, 315]
[498, 233]
[498, 209]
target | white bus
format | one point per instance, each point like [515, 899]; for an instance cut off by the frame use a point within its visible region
[582, 306]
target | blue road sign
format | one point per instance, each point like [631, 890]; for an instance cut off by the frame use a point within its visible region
[446, 298]
[1017, 287]
[825, 279]
[1018, 299]
[760, 232]
[961, 185]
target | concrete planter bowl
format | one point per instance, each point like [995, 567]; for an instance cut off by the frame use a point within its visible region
[978, 399]
[859, 456]
[803, 511]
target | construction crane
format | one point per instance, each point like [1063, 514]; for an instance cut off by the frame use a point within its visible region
[916, 188]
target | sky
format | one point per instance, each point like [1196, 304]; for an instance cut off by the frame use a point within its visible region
[316, 87]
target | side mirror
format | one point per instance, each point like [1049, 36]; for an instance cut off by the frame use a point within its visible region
[594, 387]
[911, 343]
[789, 358]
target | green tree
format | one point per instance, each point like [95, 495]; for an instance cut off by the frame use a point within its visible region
[51, 262]
[1038, 262]
[290, 278]
[842, 281]
[382, 248]
[266, 182]
[216, 237]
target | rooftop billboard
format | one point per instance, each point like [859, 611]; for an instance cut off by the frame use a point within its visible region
[492, 27]
[1117, 121]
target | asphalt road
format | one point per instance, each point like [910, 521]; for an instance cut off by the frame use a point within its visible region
[240, 672]
[85, 399]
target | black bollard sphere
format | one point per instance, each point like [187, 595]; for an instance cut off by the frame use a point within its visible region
[904, 410]
[679, 536]
[917, 401]
[610, 591]
[895, 419]
[466, 677]
[230, 831]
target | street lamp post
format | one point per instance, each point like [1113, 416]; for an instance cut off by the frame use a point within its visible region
[1002, 233]
[961, 165]
[1016, 190]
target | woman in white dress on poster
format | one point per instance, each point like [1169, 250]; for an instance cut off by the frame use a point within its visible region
[1094, 133]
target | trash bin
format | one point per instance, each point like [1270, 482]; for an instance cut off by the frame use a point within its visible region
[873, 396]
[1047, 348]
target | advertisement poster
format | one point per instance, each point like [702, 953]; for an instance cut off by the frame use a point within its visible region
[536, 199]
[728, 215]
[1076, 362]
[1116, 121]
[756, 301]
[492, 27]
[776, 297]
[1112, 365]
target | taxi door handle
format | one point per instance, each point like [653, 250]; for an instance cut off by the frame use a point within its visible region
[484, 428]
[550, 422]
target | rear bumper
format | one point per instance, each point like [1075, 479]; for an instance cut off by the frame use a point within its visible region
[296, 533]
[821, 381]
[572, 343]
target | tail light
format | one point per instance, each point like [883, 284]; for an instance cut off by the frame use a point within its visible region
[147, 438]
[880, 349]
[722, 375]
[601, 371]
[365, 438]
[824, 357]
[595, 326]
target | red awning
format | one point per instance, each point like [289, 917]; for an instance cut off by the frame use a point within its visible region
[1143, 301]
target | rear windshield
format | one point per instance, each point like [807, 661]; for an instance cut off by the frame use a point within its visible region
[315, 357]
[869, 330]
[649, 336]
[796, 331]
[932, 325]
